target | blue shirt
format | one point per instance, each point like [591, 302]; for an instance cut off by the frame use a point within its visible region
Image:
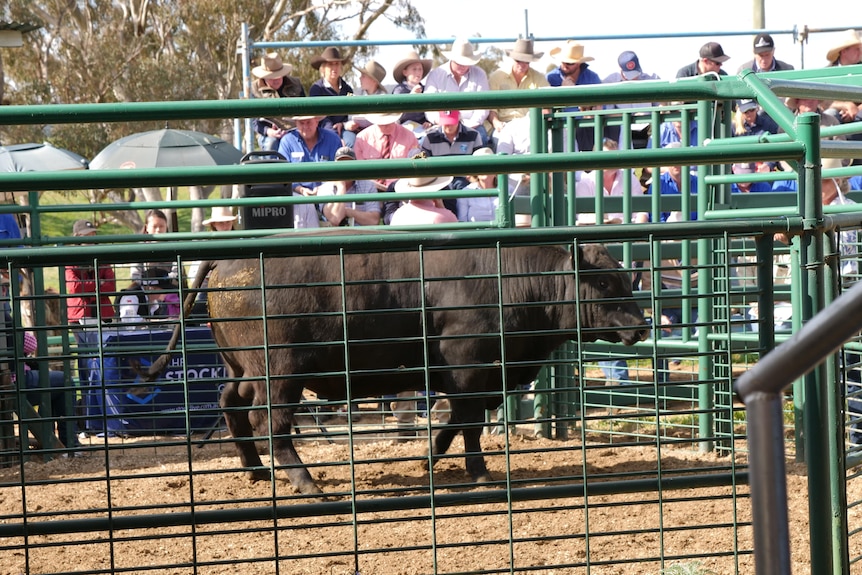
[755, 187]
[668, 134]
[668, 186]
[587, 76]
[785, 186]
[9, 229]
[293, 147]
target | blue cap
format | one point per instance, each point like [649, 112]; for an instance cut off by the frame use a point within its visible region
[630, 67]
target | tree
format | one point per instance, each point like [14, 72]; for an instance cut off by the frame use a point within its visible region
[157, 50]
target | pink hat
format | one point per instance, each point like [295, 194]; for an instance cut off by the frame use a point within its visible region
[449, 117]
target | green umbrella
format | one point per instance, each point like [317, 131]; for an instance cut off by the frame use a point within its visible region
[39, 158]
[166, 148]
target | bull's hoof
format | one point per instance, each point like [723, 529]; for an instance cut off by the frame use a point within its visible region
[485, 478]
[309, 489]
[259, 475]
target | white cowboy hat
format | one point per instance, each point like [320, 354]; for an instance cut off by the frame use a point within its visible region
[383, 119]
[411, 57]
[570, 53]
[522, 51]
[271, 67]
[423, 184]
[220, 214]
[850, 38]
[462, 53]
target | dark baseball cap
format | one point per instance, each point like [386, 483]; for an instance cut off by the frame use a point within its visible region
[630, 66]
[83, 228]
[745, 105]
[712, 51]
[763, 43]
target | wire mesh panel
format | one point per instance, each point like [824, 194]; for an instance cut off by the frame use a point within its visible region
[581, 476]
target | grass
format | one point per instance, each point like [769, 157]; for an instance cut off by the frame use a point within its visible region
[59, 223]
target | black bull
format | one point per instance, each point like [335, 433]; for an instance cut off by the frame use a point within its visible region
[390, 344]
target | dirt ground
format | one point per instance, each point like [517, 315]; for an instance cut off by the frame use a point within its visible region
[619, 534]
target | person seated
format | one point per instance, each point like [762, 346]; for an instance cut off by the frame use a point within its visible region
[421, 211]
[350, 213]
[59, 390]
[370, 84]
[385, 139]
[409, 72]
[155, 222]
[749, 187]
[451, 138]
[148, 299]
[330, 64]
[479, 209]
[272, 79]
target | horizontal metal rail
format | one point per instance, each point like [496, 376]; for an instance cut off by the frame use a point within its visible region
[478, 497]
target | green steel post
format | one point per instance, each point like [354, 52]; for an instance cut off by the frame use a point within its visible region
[814, 410]
[537, 193]
[835, 381]
[706, 392]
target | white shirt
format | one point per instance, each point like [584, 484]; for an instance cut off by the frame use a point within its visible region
[441, 79]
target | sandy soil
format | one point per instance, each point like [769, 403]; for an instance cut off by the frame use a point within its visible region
[624, 533]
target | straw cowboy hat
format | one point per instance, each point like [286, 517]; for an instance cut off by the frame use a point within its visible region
[570, 53]
[410, 58]
[383, 119]
[330, 54]
[271, 67]
[462, 53]
[523, 51]
[220, 214]
[423, 184]
[374, 70]
[849, 39]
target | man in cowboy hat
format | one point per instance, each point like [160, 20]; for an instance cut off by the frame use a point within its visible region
[764, 56]
[330, 62]
[712, 56]
[518, 76]
[572, 69]
[272, 79]
[385, 139]
[461, 74]
[309, 142]
[847, 52]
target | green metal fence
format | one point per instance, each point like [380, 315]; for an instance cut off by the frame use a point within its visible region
[675, 437]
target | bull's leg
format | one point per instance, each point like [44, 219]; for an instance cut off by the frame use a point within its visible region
[241, 394]
[465, 411]
[282, 442]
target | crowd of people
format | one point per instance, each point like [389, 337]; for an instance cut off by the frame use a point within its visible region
[152, 292]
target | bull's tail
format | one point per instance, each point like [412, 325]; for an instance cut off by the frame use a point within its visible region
[159, 364]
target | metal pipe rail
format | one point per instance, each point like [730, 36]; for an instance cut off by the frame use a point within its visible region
[761, 389]
[53, 527]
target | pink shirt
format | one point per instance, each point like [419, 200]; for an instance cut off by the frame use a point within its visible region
[369, 144]
[421, 213]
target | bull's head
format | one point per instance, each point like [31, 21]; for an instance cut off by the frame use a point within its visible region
[606, 293]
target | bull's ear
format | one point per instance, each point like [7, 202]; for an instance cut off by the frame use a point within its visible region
[586, 257]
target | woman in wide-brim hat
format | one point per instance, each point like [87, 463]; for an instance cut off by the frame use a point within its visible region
[272, 79]
[330, 62]
[409, 72]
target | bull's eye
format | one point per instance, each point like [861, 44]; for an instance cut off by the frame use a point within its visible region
[603, 285]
